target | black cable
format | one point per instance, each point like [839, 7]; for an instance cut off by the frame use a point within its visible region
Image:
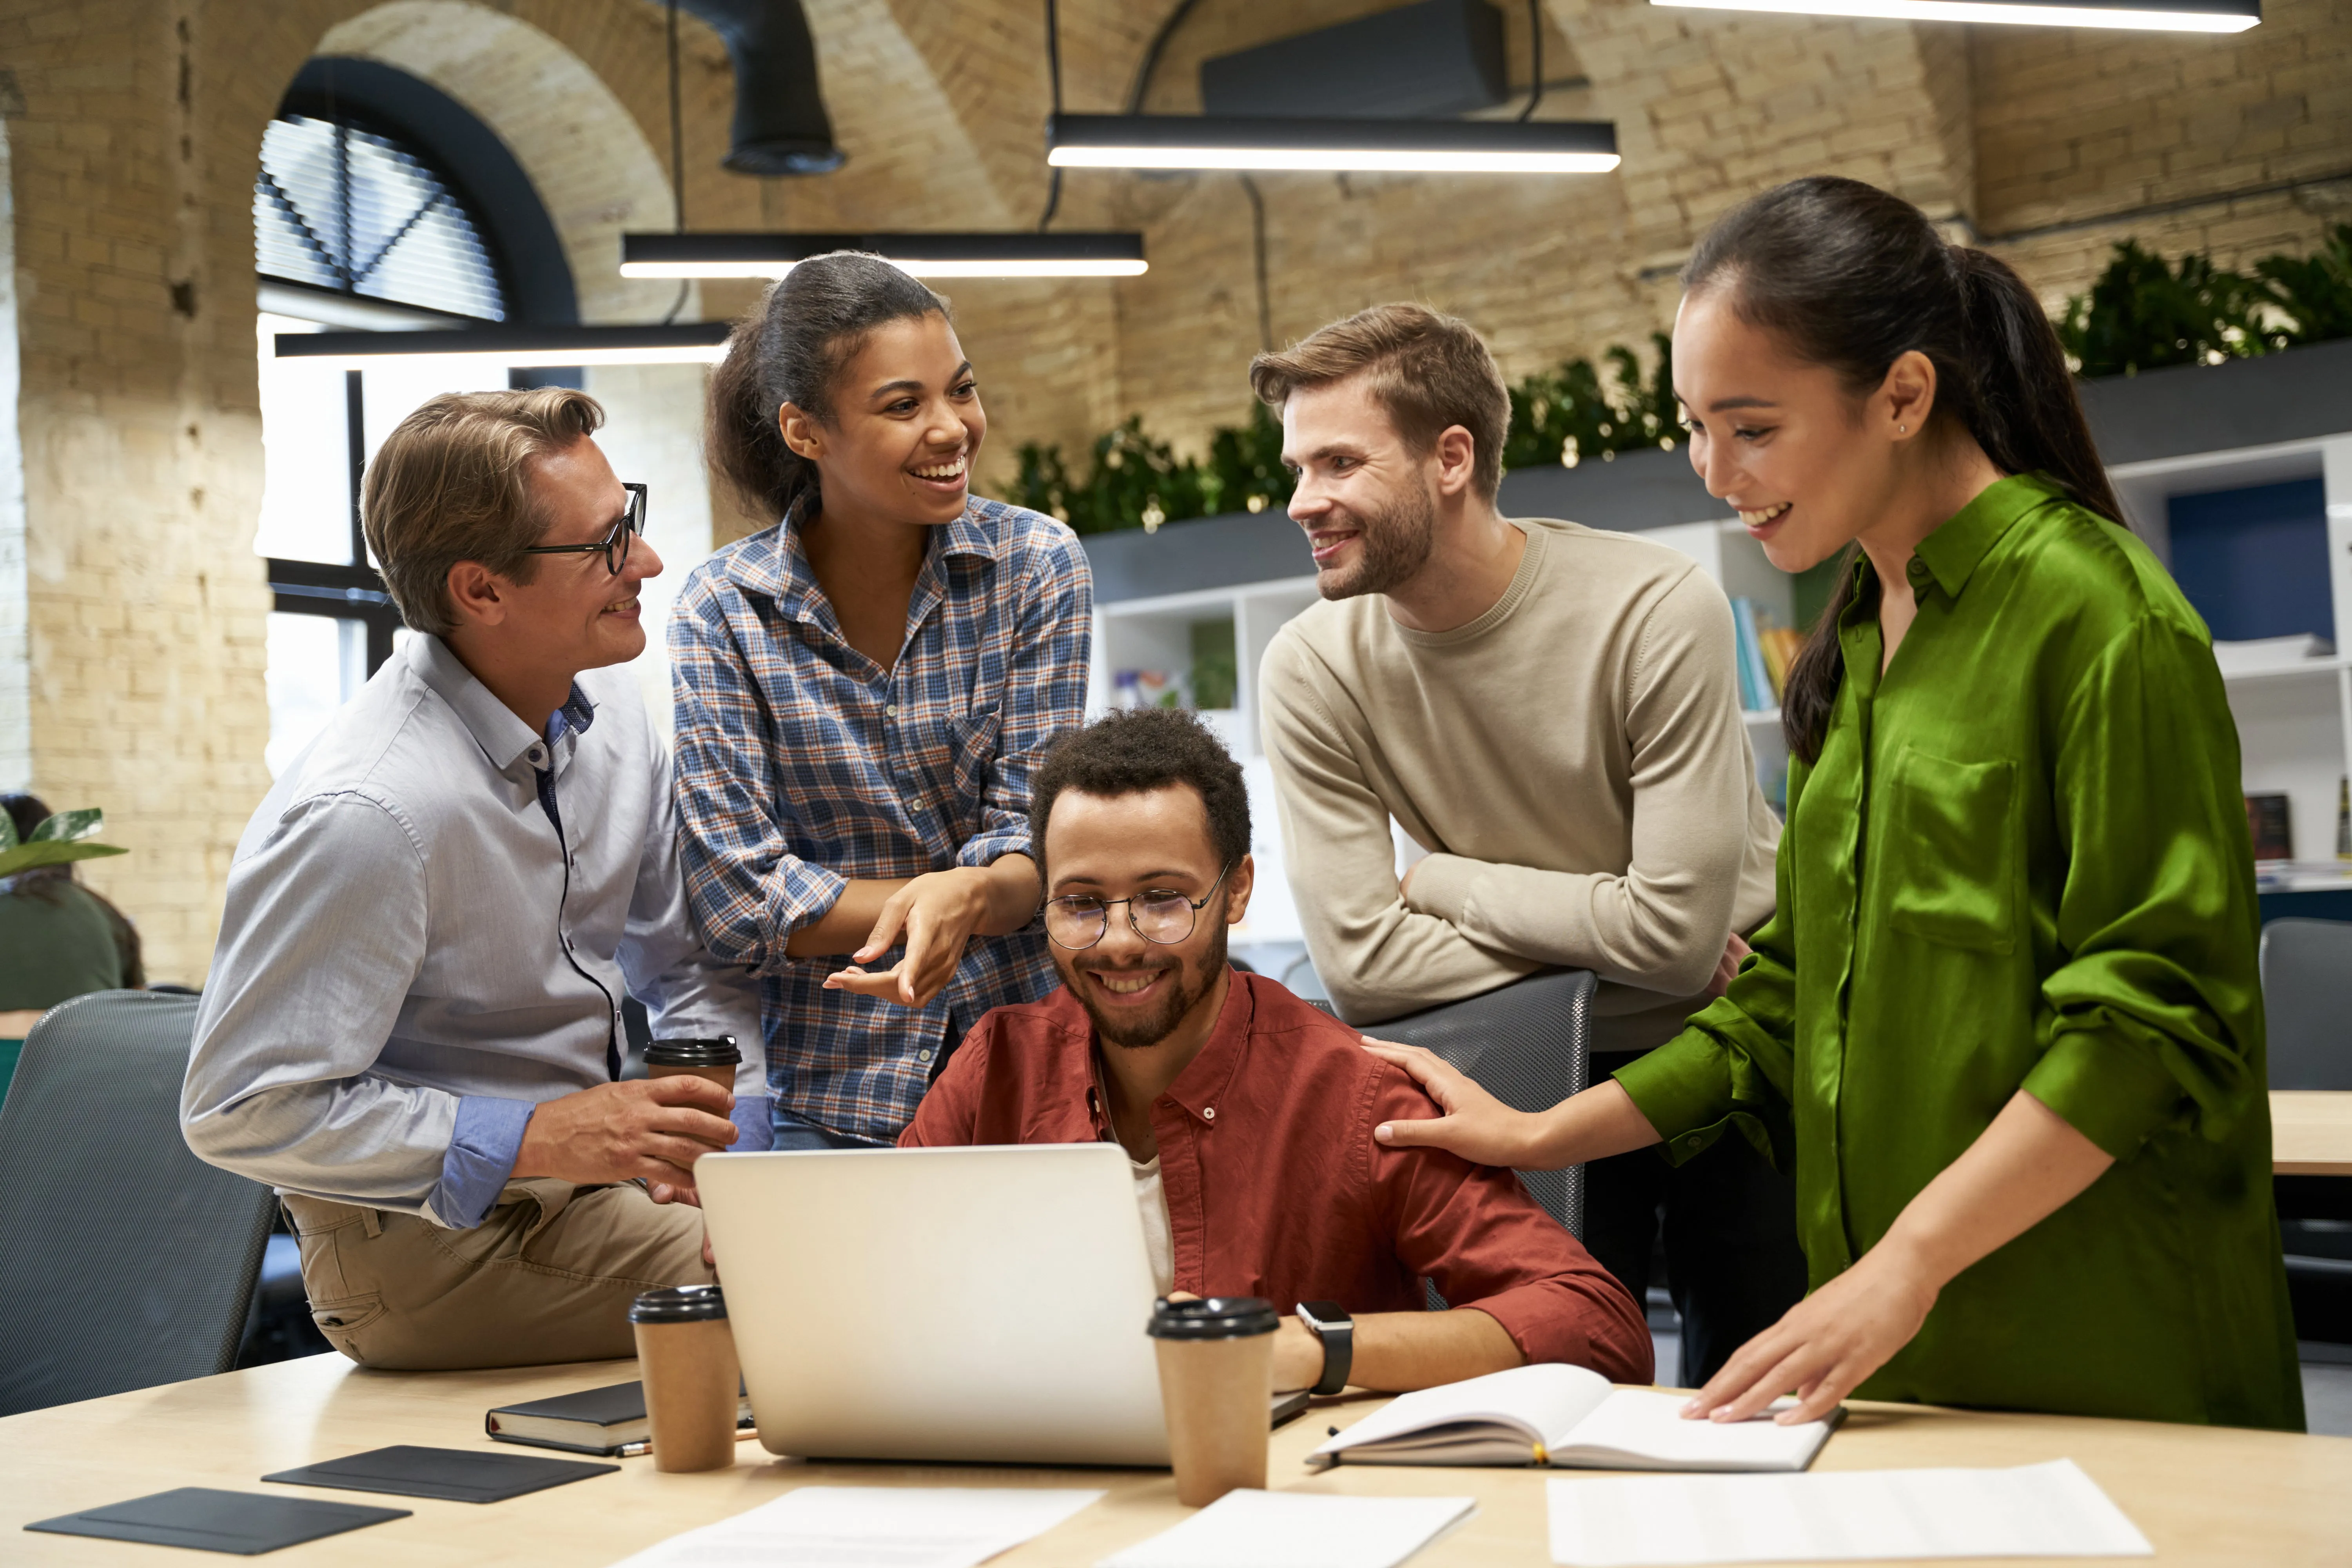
[677, 160]
[1151, 52]
[1535, 59]
[1257, 249]
[1053, 72]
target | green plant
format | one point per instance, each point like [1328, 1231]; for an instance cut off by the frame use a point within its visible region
[1245, 471]
[2313, 293]
[57, 839]
[2143, 314]
[1576, 411]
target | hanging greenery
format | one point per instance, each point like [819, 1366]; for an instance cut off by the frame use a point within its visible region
[1576, 413]
[2142, 313]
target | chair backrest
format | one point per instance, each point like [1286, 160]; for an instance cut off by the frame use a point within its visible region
[1528, 1044]
[2308, 997]
[125, 1261]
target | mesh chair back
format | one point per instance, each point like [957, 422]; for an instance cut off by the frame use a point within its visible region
[1528, 1044]
[125, 1261]
[2307, 996]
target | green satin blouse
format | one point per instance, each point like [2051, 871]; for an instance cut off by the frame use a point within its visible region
[2022, 861]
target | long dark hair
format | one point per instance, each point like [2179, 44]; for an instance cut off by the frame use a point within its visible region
[789, 350]
[1850, 278]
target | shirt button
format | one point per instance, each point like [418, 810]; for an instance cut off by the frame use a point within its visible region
[1208, 1113]
[891, 709]
[1693, 1142]
[922, 1056]
[1917, 570]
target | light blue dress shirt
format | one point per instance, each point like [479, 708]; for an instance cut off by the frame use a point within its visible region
[431, 922]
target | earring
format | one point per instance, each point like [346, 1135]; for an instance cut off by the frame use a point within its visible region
[1903, 429]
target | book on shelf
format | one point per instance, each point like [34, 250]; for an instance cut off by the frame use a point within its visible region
[1569, 1418]
[1765, 651]
[2270, 822]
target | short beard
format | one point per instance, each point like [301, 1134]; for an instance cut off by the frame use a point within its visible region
[1186, 987]
[1393, 545]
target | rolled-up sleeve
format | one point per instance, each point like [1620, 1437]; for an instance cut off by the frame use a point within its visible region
[749, 892]
[1476, 1232]
[321, 936]
[2153, 1020]
[1044, 693]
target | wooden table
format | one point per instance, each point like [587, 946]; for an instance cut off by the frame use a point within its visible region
[2202, 1495]
[2311, 1132]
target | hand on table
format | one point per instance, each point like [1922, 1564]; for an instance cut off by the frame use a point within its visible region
[1823, 1347]
[1728, 967]
[938, 913]
[649, 1130]
[1476, 1125]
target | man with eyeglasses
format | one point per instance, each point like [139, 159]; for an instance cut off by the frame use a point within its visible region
[1245, 1113]
[411, 1026]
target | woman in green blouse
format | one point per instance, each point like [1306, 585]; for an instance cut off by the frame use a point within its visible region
[2006, 1027]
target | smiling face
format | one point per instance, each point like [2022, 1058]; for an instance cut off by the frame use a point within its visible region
[1139, 993]
[905, 429]
[1806, 463]
[1367, 500]
[574, 613]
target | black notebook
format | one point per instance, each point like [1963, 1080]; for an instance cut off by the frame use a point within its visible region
[453, 1474]
[245, 1523]
[593, 1421]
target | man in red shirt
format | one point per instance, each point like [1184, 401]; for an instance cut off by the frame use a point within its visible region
[1246, 1114]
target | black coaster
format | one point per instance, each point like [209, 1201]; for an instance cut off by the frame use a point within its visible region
[453, 1474]
[244, 1523]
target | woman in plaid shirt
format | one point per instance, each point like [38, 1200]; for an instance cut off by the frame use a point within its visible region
[863, 691]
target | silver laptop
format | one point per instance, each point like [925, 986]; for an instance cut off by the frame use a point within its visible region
[977, 1303]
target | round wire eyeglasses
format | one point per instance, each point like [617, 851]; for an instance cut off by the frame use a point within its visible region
[1078, 921]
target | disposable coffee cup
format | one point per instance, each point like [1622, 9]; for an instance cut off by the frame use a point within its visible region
[685, 1356]
[1216, 1391]
[714, 1059]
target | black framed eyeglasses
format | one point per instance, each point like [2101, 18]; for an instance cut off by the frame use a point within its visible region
[1078, 921]
[614, 546]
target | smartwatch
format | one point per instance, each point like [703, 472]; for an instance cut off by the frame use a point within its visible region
[1328, 1321]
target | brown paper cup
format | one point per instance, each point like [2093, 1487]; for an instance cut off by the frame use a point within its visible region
[723, 1077]
[688, 1364]
[1217, 1387]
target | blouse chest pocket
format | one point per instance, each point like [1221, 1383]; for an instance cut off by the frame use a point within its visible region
[972, 744]
[1947, 852]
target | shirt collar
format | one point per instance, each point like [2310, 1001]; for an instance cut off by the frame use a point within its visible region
[774, 562]
[1950, 554]
[504, 738]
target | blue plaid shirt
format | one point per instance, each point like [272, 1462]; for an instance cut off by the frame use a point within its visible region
[801, 762]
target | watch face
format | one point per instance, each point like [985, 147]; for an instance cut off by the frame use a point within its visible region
[1318, 1315]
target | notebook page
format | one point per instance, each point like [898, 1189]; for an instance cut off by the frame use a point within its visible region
[1654, 1522]
[1296, 1530]
[871, 1527]
[1638, 1422]
[1548, 1398]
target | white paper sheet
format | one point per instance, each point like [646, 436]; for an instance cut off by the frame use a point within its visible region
[2036, 1511]
[1297, 1530]
[871, 1527]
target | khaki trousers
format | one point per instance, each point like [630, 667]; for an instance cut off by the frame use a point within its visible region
[548, 1276]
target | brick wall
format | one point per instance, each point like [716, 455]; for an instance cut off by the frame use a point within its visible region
[131, 155]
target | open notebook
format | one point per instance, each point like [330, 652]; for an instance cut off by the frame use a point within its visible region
[1568, 1417]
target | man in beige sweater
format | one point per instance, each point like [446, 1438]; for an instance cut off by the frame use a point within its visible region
[1552, 713]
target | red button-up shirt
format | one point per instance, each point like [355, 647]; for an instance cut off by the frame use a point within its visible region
[1274, 1185]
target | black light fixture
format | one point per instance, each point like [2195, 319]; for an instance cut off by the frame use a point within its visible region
[996, 255]
[1412, 146]
[2145, 16]
[690, 342]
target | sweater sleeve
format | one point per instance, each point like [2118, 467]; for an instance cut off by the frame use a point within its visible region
[1376, 957]
[1661, 923]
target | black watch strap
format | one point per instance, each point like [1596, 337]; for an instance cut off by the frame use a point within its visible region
[1328, 1323]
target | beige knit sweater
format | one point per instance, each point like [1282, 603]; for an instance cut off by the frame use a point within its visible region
[1574, 761]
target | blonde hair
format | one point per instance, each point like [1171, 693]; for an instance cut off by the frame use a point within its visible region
[451, 483]
[1429, 371]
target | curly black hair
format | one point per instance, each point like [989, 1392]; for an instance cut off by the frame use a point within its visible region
[1137, 750]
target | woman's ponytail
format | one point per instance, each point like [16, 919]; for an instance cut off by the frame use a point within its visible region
[1852, 277]
[789, 349]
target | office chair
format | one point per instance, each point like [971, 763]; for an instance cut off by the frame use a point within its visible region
[1529, 1043]
[125, 1261]
[2307, 994]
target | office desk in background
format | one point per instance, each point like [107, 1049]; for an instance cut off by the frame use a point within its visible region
[2311, 1133]
[2203, 1495]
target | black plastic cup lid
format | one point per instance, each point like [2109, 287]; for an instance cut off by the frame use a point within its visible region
[679, 1304]
[718, 1052]
[1212, 1318]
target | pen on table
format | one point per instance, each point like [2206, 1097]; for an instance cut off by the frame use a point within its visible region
[642, 1446]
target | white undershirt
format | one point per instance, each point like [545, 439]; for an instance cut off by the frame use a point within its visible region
[1159, 1238]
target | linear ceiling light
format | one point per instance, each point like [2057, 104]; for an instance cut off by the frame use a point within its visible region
[1408, 146]
[2152, 16]
[1014, 255]
[693, 343]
